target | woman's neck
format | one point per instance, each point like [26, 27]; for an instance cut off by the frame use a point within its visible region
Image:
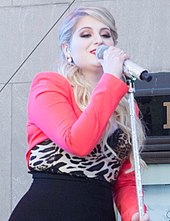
[93, 77]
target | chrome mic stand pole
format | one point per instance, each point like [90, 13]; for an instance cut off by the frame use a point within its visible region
[135, 148]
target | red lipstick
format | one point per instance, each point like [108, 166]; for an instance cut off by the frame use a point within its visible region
[93, 51]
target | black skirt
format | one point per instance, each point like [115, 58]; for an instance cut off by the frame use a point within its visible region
[56, 197]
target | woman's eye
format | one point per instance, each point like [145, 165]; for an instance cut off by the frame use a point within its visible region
[85, 36]
[106, 36]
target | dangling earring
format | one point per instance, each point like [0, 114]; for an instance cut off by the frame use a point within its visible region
[70, 59]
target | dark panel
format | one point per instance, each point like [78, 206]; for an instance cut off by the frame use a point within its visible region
[153, 99]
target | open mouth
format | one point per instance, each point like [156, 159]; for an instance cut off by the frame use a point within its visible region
[93, 51]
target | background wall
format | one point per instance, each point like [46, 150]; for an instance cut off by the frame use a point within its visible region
[28, 44]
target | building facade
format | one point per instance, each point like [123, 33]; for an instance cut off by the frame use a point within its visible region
[28, 45]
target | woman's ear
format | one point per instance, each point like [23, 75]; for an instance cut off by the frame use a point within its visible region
[66, 50]
[67, 53]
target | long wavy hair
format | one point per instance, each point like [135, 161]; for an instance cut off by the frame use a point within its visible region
[82, 88]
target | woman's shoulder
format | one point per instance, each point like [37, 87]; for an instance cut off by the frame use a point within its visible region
[50, 81]
[53, 77]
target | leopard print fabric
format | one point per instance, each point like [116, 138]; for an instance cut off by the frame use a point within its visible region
[101, 163]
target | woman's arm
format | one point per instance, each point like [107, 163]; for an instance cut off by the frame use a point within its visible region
[51, 110]
[124, 193]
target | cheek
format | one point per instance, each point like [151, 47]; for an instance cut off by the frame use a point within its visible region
[109, 42]
[78, 55]
[79, 59]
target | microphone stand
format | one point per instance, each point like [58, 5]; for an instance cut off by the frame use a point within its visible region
[135, 147]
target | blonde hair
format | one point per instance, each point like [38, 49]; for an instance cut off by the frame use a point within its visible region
[82, 88]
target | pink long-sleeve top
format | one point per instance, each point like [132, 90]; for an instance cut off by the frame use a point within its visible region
[54, 114]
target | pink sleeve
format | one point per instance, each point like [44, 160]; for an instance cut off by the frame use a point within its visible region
[50, 109]
[137, 109]
[124, 193]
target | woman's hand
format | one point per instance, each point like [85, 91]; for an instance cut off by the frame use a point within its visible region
[112, 62]
[145, 217]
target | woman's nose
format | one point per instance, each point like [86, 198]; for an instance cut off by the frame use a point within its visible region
[98, 39]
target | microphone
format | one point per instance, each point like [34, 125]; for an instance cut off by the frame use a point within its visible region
[130, 69]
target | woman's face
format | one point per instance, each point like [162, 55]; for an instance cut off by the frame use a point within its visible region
[89, 33]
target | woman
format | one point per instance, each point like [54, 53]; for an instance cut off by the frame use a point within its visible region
[79, 131]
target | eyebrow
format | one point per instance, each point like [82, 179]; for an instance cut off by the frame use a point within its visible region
[104, 28]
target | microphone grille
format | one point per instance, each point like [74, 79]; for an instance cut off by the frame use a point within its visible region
[100, 50]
